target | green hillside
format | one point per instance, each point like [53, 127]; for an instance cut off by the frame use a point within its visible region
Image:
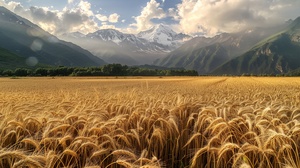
[277, 54]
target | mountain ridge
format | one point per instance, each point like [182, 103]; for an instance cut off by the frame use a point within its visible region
[130, 49]
[276, 54]
[23, 38]
[205, 54]
[164, 35]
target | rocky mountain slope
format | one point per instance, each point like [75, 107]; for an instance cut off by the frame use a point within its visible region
[116, 47]
[206, 54]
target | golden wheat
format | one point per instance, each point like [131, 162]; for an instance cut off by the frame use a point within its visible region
[150, 122]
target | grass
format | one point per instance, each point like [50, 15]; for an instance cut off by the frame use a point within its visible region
[150, 122]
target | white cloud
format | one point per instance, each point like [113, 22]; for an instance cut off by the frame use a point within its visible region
[151, 11]
[85, 7]
[113, 18]
[102, 18]
[172, 12]
[70, 1]
[79, 18]
[194, 16]
[123, 21]
[212, 16]
[106, 26]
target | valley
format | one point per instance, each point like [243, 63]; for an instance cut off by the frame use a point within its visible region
[256, 51]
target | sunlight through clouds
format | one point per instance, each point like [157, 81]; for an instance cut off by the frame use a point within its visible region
[208, 17]
[216, 16]
[151, 11]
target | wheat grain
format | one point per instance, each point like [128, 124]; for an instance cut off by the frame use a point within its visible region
[170, 122]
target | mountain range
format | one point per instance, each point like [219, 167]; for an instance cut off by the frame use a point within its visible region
[114, 46]
[25, 41]
[253, 51]
[205, 54]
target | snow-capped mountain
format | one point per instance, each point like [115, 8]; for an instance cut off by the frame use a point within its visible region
[123, 40]
[115, 36]
[164, 35]
[109, 35]
[159, 38]
[111, 44]
[116, 47]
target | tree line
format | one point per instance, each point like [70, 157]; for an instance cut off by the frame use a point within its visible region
[106, 70]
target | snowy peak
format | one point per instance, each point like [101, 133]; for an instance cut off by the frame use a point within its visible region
[105, 34]
[158, 39]
[159, 33]
[160, 29]
[113, 36]
[164, 35]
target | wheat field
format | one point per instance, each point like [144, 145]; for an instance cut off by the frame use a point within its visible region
[150, 122]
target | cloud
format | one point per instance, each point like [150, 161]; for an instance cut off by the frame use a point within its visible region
[102, 18]
[113, 18]
[106, 26]
[78, 18]
[193, 16]
[85, 8]
[2, 3]
[172, 12]
[43, 14]
[70, 1]
[213, 16]
[151, 11]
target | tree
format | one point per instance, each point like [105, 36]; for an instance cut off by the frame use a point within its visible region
[21, 72]
[41, 72]
[8, 72]
[114, 69]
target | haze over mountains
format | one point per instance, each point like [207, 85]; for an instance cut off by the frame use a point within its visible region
[206, 54]
[253, 51]
[277, 54]
[116, 47]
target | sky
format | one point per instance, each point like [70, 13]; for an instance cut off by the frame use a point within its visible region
[208, 17]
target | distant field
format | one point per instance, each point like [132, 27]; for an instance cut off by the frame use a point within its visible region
[150, 122]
